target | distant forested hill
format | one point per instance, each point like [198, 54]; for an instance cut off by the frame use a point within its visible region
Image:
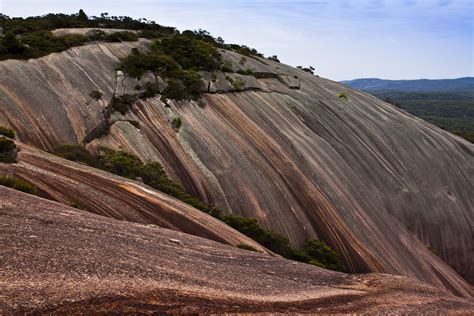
[421, 85]
[447, 103]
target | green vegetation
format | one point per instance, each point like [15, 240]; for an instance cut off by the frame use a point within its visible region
[190, 52]
[43, 42]
[267, 238]
[274, 58]
[76, 153]
[96, 95]
[227, 66]
[122, 103]
[306, 69]
[176, 122]
[243, 50]
[31, 37]
[121, 163]
[122, 36]
[342, 95]
[134, 123]
[177, 59]
[247, 247]
[314, 252]
[7, 150]
[318, 253]
[245, 72]
[237, 83]
[7, 132]
[18, 184]
[452, 111]
[130, 166]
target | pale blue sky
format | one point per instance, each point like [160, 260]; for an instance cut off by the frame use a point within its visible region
[342, 39]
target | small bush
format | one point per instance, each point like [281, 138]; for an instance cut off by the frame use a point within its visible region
[121, 36]
[18, 184]
[120, 163]
[227, 66]
[151, 90]
[123, 103]
[7, 159]
[247, 247]
[6, 145]
[7, 132]
[238, 83]
[245, 72]
[242, 61]
[176, 122]
[96, 95]
[7, 150]
[274, 58]
[76, 153]
[134, 123]
[342, 95]
[267, 238]
[317, 252]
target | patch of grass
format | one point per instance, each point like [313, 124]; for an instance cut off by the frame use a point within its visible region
[7, 132]
[342, 95]
[18, 184]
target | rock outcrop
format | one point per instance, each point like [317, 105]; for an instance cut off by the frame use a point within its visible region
[375, 183]
[60, 260]
[112, 196]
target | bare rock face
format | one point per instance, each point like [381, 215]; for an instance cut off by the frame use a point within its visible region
[59, 260]
[375, 183]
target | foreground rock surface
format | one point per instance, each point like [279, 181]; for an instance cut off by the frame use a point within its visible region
[376, 184]
[56, 259]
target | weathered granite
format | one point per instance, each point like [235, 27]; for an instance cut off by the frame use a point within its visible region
[377, 184]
